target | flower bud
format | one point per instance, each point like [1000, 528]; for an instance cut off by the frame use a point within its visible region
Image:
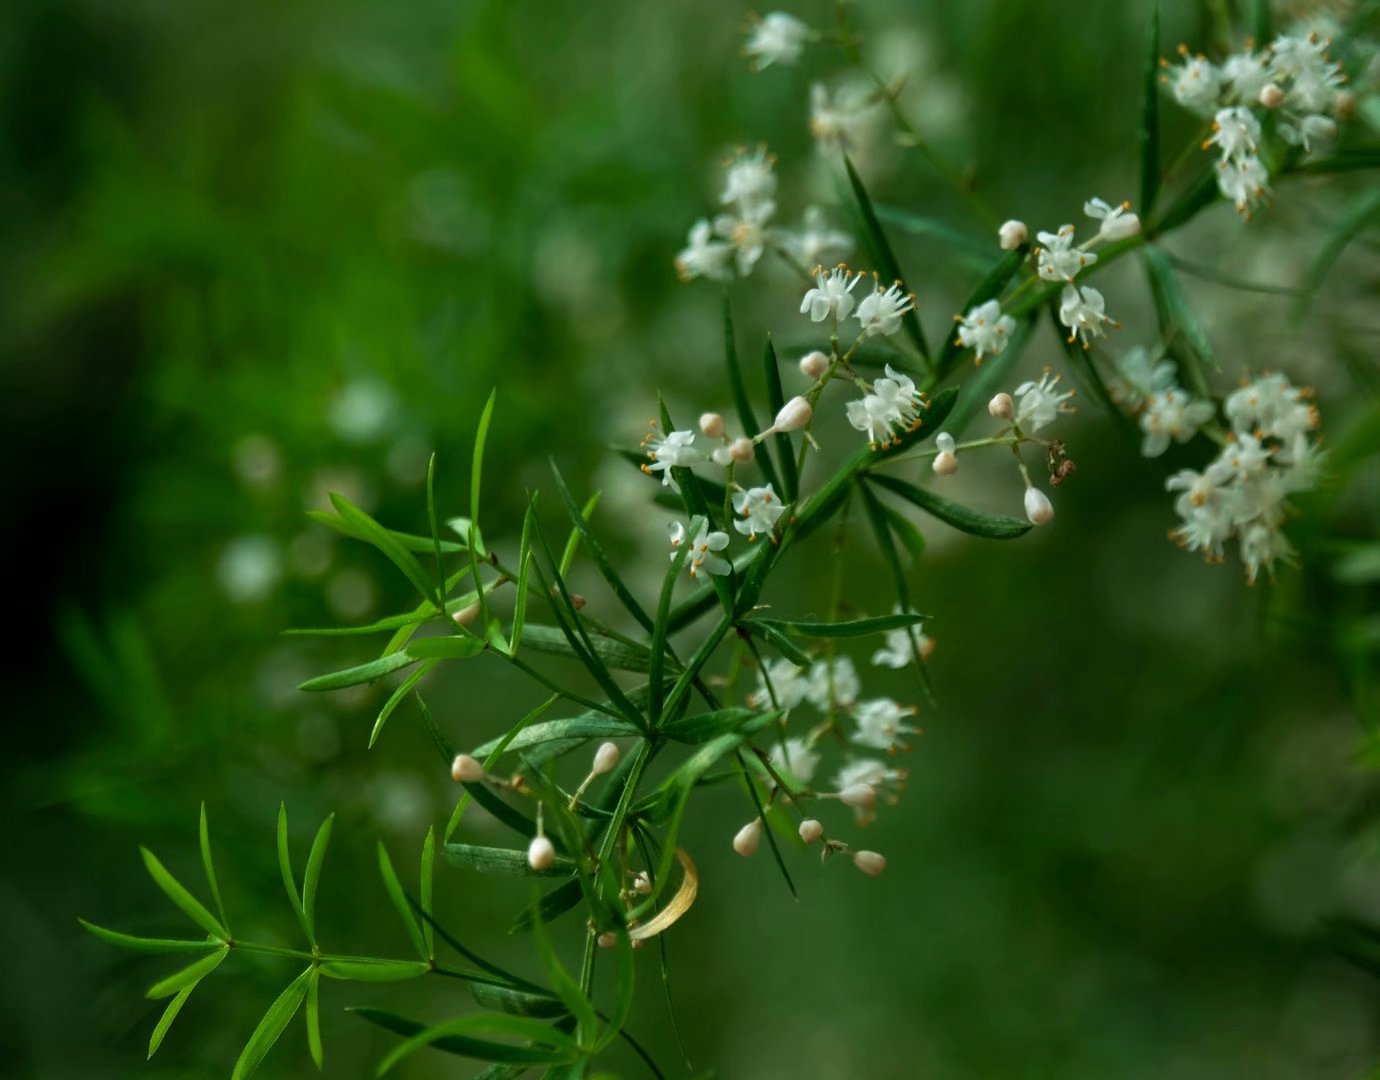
[742, 451]
[858, 796]
[1038, 508]
[945, 463]
[607, 940]
[467, 614]
[1002, 407]
[811, 830]
[605, 758]
[541, 853]
[1271, 96]
[1012, 235]
[814, 365]
[712, 424]
[1120, 227]
[1345, 104]
[466, 770]
[869, 862]
[721, 456]
[794, 415]
[577, 601]
[642, 883]
[747, 838]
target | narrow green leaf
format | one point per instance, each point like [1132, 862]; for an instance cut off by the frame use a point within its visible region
[404, 909]
[851, 628]
[447, 647]
[557, 902]
[767, 827]
[169, 1015]
[1358, 213]
[279, 1015]
[285, 868]
[1262, 22]
[1357, 160]
[776, 398]
[706, 726]
[397, 697]
[566, 988]
[906, 531]
[989, 288]
[190, 905]
[741, 401]
[149, 945]
[524, 576]
[975, 251]
[1183, 334]
[659, 635]
[873, 508]
[420, 544]
[404, 633]
[780, 642]
[477, 471]
[621, 655]
[505, 999]
[1149, 134]
[312, 876]
[382, 539]
[361, 673]
[189, 976]
[367, 970]
[509, 861]
[209, 864]
[314, 1047]
[963, 518]
[882, 254]
[428, 873]
[547, 1045]
[480, 794]
[1202, 193]
[587, 726]
[435, 529]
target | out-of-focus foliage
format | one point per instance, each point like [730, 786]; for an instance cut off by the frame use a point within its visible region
[254, 253]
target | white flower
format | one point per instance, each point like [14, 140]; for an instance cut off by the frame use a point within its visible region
[1245, 181]
[1040, 403]
[746, 232]
[839, 120]
[1172, 414]
[1206, 518]
[817, 242]
[758, 509]
[1138, 375]
[1117, 221]
[1057, 259]
[1302, 462]
[749, 181]
[884, 780]
[669, 451]
[880, 312]
[790, 683]
[1236, 132]
[777, 38]
[1262, 544]
[703, 547]
[1083, 311]
[1196, 83]
[799, 759]
[1246, 75]
[833, 684]
[1245, 457]
[1312, 81]
[704, 256]
[881, 725]
[1272, 405]
[986, 330]
[832, 296]
[1309, 130]
[897, 652]
[893, 405]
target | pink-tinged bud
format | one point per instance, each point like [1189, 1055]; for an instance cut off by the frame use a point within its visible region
[1038, 508]
[747, 838]
[1012, 235]
[712, 424]
[945, 463]
[642, 884]
[721, 456]
[742, 451]
[869, 862]
[1271, 96]
[577, 601]
[858, 796]
[1345, 104]
[794, 415]
[467, 614]
[607, 940]
[811, 830]
[1002, 407]
[541, 853]
[814, 365]
[605, 758]
[466, 770]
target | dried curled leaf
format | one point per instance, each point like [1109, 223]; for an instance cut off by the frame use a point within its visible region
[677, 906]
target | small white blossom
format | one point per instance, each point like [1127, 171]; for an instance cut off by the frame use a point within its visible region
[817, 242]
[1236, 132]
[1057, 259]
[1083, 311]
[986, 330]
[885, 781]
[758, 509]
[1196, 83]
[704, 547]
[776, 38]
[1206, 522]
[1245, 74]
[882, 726]
[1311, 79]
[746, 232]
[790, 684]
[1245, 181]
[1273, 406]
[833, 684]
[1138, 375]
[799, 759]
[832, 296]
[893, 405]
[1309, 130]
[704, 256]
[1040, 403]
[898, 652]
[749, 180]
[675, 449]
[1117, 221]
[880, 312]
[839, 119]
[1172, 414]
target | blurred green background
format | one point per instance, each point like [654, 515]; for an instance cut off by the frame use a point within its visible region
[258, 251]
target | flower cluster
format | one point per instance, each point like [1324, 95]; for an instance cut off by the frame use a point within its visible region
[1242, 494]
[1294, 76]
